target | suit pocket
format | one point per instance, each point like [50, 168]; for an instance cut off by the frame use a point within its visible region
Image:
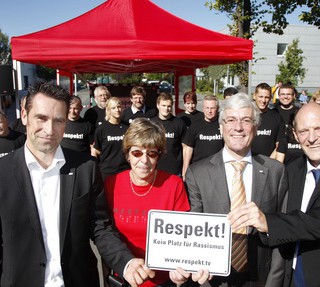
[81, 200]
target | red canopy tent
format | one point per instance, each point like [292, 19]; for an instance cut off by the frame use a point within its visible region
[129, 36]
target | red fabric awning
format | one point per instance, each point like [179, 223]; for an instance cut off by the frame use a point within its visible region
[128, 36]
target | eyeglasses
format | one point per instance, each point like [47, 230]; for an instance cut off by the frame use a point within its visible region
[283, 95]
[102, 95]
[149, 153]
[233, 121]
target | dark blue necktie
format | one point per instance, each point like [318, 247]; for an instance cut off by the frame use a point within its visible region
[316, 174]
[298, 272]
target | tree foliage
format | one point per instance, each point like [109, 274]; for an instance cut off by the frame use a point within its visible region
[45, 73]
[247, 16]
[5, 51]
[291, 69]
[215, 72]
[282, 8]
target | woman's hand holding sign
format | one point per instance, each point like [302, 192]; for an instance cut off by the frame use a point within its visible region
[180, 276]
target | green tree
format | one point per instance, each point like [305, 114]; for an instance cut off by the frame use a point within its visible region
[291, 69]
[5, 51]
[247, 16]
[45, 73]
[216, 72]
[282, 8]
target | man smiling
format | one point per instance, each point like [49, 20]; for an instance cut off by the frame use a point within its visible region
[214, 184]
[270, 139]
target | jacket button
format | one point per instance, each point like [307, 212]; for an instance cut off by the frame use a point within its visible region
[43, 265]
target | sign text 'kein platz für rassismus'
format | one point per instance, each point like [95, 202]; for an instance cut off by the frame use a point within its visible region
[189, 240]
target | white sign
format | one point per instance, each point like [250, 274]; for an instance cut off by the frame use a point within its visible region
[189, 240]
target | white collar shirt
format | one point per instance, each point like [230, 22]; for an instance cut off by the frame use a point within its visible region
[46, 187]
[246, 175]
[308, 189]
[309, 186]
[135, 110]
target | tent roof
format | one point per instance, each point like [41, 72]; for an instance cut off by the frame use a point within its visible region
[128, 36]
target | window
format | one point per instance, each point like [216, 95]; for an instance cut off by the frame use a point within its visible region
[281, 49]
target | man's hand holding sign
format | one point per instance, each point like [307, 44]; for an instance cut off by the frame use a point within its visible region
[194, 242]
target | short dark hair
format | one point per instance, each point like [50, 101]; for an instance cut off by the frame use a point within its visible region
[263, 86]
[228, 92]
[50, 90]
[164, 97]
[287, 86]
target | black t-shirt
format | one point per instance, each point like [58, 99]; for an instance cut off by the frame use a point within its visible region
[205, 139]
[128, 116]
[12, 141]
[78, 135]
[293, 147]
[95, 116]
[175, 130]
[191, 119]
[270, 131]
[108, 140]
[287, 115]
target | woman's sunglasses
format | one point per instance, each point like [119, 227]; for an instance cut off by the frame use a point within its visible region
[150, 153]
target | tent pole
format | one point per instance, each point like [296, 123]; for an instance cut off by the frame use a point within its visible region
[75, 84]
[16, 71]
[58, 77]
[249, 77]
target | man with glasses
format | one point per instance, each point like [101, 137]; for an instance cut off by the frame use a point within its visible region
[96, 115]
[287, 111]
[297, 233]
[138, 108]
[217, 183]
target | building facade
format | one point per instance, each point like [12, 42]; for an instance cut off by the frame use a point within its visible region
[272, 48]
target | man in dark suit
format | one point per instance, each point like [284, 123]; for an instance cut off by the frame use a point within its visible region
[51, 203]
[298, 231]
[211, 185]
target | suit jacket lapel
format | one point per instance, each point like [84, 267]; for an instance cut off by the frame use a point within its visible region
[314, 196]
[297, 178]
[219, 181]
[22, 176]
[259, 179]
[67, 176]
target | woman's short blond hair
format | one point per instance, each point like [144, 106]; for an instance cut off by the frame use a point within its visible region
[144, 133]
[111, 103]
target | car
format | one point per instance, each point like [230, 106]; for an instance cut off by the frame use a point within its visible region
[166, 87]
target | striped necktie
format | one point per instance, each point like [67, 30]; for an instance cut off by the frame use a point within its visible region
[239, 239]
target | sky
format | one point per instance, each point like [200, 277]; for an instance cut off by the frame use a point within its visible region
[19, 17]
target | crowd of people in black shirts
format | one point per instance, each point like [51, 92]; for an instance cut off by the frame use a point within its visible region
[191, 135]
[238, 128]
